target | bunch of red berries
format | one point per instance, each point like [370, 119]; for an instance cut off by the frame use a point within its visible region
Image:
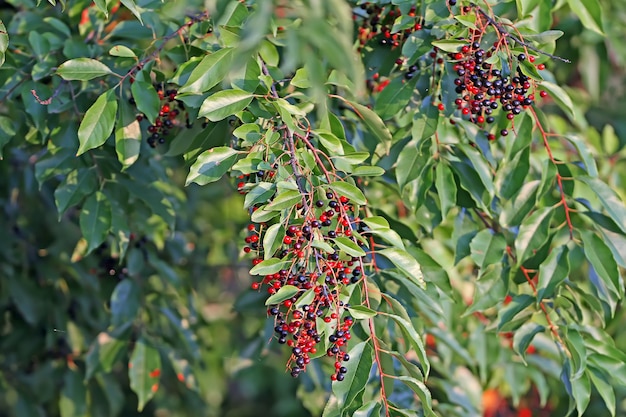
[168, 118]
[485, 90]
[304, 295]
[376, 22]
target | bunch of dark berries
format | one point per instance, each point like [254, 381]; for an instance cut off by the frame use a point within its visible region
[314, 317]
[168, 119]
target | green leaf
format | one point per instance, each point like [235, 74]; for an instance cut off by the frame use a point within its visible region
[98, 122]
[83, 69]
[446, 187]
[269, 266]
[147, 99]
[581, 392]
[285, 200]
[224, 103]
[211, 165]
[524, 336]
[73, 399]
[284, 293]
[412, 162]
[524, 7]
[348, 246]
[523, 202]
[359, 368]
[209, 72]
[560, 96]
[584, 150]
[77, 185]
[95, 220]
[373, 122]
[449, 45]
[517, 304]
[369, 409]
[301, 79]
[414, 340]
[553, 271]
[481, 167]
[124, 302]
[144, 370]
[487, 248]
[127, 136]
[533, 233]
[425, 121]
[422, 392]
[380, 227]
[320, 244]
[611, 202]
[350, 191]
[601, 258]
[107, 349]
[601, 381]
[368, 171]
[261, 193]
[361, 312]
[405, 263]
[589, 12]
[122, 51]
[7, 131]
[272, 239]
[523, 138]
[4, 42]
[130, 5]
[395, 97]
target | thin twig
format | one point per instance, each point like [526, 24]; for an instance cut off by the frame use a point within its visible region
[49, 99]
[506, 33]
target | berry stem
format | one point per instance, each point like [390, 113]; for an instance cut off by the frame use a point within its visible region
[506, 33]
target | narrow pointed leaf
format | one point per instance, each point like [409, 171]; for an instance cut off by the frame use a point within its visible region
[82, 69]
[284, 293]
[211, 165]
[269, 266]
[224, 103]
[4, 42]
[209, 72]
[533, 233]
[405, 263]
[127, 137]
[78, 184]
[611, 202]
[348, 246]
[350, 191]
[98, 122]
[95, 220]
[359, 368]
[144, 371]
[422, 392]
[413, 339]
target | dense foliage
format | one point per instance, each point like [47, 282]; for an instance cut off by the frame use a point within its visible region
[340, 208]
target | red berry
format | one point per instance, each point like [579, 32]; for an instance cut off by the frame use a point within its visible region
[441, 107]
[287, 240]
[541, 67]
[255, 286]
[543, 94]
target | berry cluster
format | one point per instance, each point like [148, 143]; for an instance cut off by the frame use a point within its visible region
[376, 21]
[311, 314]
[168, 118]
[483, 89]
